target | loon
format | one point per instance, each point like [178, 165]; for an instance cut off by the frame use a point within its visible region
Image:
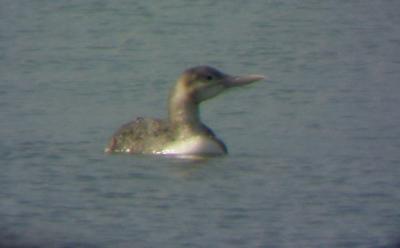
[182, 133]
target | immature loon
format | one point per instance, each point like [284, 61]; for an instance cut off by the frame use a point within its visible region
[182, 133]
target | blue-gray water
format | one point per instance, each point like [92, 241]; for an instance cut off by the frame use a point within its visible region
[314, 152]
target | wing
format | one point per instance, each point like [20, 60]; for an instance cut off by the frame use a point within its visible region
[142, 135]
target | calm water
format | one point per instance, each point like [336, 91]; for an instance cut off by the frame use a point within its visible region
[314, 152]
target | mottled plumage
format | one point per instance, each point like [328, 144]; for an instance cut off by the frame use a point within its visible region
[150, 136]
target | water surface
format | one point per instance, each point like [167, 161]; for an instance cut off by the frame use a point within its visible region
[314, 152]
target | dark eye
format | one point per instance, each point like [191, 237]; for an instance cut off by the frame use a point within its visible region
[209, 77]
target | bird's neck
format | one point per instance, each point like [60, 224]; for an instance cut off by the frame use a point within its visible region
[183, 111]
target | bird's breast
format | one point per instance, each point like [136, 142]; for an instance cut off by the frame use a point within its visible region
[197, 145]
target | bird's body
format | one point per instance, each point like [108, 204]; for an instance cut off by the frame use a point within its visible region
[156, 136]
[182, 133]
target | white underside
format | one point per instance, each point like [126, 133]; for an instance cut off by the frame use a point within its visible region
[197, 145]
